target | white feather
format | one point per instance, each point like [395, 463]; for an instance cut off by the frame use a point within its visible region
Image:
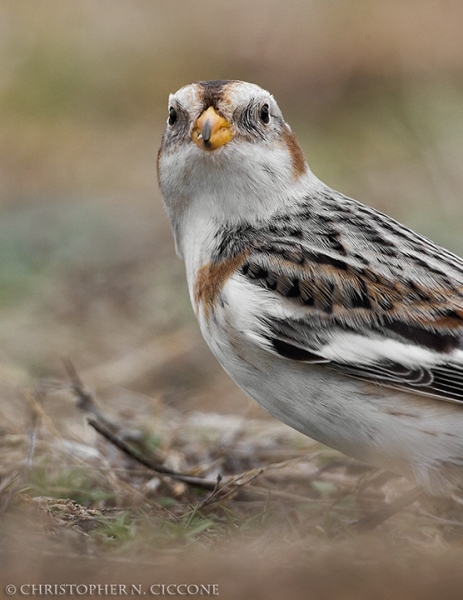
[360, 349]
[249, 302]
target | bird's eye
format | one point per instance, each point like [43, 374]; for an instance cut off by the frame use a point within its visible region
[172, 115]
[264, 114]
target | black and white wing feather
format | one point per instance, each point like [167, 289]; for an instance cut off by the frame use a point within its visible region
[364, 296]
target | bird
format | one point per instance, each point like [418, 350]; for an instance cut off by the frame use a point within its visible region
[338, 320]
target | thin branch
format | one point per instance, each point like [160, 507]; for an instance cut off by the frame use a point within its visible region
[213, 494]
[85, 399]
[205, 484]
[234, 484]
[86, 403]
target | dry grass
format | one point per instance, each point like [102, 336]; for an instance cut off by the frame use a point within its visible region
[281, 510]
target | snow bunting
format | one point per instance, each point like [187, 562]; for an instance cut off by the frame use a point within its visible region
[338, 320]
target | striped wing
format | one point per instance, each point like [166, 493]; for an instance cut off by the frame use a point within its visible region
[401, 332]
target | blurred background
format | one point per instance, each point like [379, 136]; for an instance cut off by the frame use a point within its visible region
[373, 90]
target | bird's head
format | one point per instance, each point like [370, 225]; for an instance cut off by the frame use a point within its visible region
[227, 148]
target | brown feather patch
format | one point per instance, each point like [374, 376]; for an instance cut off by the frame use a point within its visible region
[297, 156]
[210, 280]
[212, 92]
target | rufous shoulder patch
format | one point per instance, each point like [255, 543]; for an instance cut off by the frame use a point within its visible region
[210, 280]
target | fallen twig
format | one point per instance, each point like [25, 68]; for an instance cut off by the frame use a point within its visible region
[85, 399]
[109, 430]
[235, 484]
[205, 484]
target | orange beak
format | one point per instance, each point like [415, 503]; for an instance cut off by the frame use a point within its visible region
[211, 131]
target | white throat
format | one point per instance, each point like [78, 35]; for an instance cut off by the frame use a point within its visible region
[242, 183]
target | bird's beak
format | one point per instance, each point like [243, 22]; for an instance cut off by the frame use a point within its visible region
[211, 131]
